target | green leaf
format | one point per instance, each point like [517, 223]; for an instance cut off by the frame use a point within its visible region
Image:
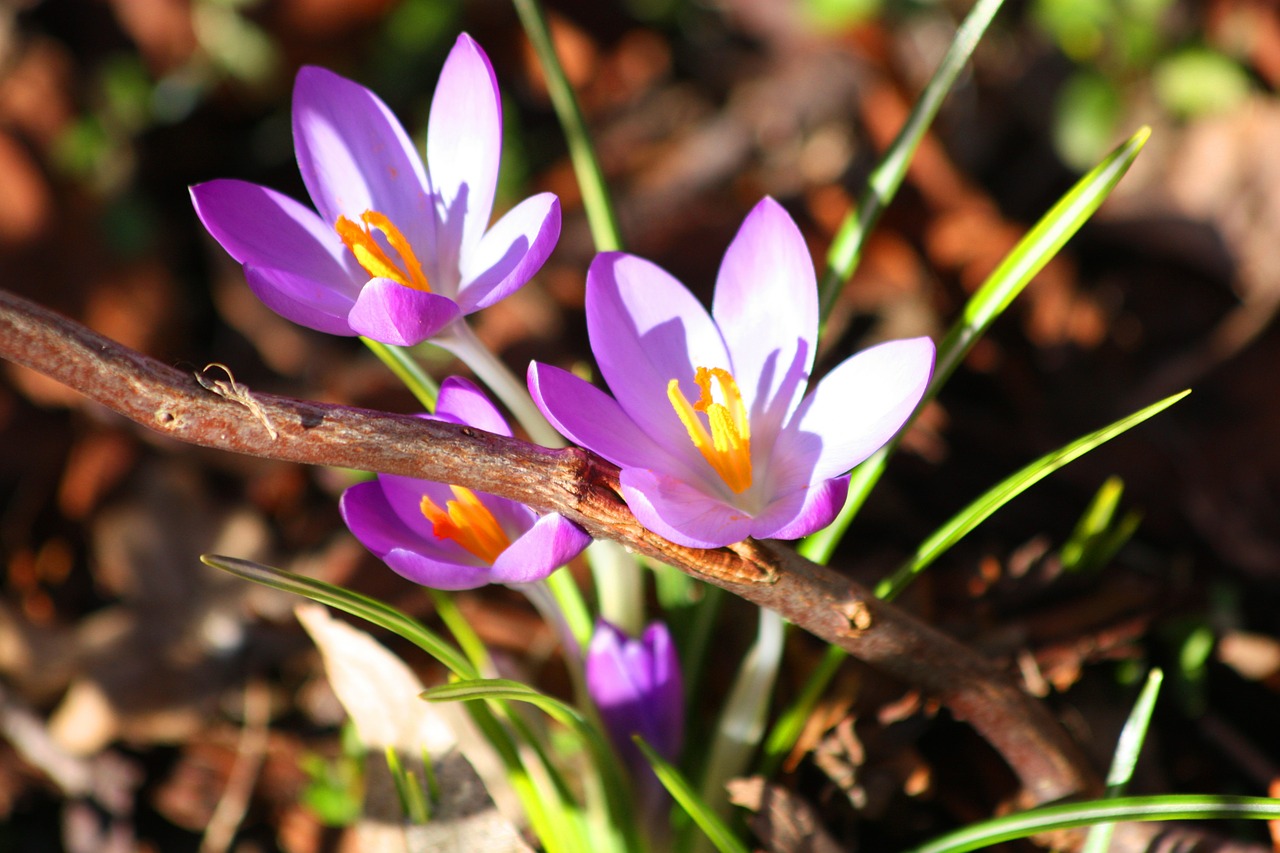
[980, 510]
[502, 689]
[1008, 280]
[368, 609]
[887, 176]
[682, 792]
[1099, 535]
[1125, 759]
[1169, 807]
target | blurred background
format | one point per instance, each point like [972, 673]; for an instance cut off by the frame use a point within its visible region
[142, 692]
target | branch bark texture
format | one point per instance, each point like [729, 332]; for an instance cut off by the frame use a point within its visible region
[573, 482]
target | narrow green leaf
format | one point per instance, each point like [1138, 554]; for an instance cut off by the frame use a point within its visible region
[886, 178]
[501, 690]
[980, 510]
[551, 824]
[1033, 251]
[368, 609]
[682, 792]
[601, 216]
[1168, 807]
[791, 722]
[407, 370]
[1125, 759]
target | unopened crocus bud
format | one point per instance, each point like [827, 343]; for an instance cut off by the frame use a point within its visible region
[637, 687]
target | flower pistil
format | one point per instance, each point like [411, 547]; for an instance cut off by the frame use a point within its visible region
[468, 522]
[727, 446]
[374, 258]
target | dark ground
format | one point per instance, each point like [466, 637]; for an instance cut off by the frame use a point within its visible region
[126, 666]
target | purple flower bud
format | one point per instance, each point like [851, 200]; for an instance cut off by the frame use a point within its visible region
[636, 686]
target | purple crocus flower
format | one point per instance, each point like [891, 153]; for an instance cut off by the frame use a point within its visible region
[449, 537]
[752, 454]
[396, 252]
[637, 688]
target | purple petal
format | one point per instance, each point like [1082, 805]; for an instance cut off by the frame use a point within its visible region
[636, 686]
[464, 144]
[646, 329]
[355, 156]
[803, 512]
[590, 418]
[263, 228]
[461, 401]
[510, 253]
[766, 305]
[301, 299]
[394, 314]
[372, 520]
[549, 544]
[679, 512]
[667, 704]
[856, 408]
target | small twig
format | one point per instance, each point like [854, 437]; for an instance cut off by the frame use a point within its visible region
[233, 390]
[583, 488]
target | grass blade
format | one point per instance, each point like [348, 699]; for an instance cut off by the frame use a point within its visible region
[886, 178]
[1168, 807]
[980, 510]
[1128, 748]
[682, 792]
[369, 609]
[1009, 279]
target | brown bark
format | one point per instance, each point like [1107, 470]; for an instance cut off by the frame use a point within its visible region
[573, 482]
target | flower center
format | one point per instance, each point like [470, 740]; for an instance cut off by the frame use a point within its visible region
[374, 258]
[727, 446]
[468, 522]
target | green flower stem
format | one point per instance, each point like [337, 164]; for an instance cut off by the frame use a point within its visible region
[468, 640]
[407, 369]
[884, 181]
[460, 340]
[595, 192]
[619, 585]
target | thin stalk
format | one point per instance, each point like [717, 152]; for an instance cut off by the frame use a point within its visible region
[463, 343]
[601, 215]
[407, 369]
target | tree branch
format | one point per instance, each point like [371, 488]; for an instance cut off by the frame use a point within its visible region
[573, 482]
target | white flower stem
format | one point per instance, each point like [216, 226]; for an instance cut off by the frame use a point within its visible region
[462, 342]
[618, 578]
[741, 724]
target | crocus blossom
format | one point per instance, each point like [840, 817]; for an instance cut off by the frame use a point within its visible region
[637, 688]
[709, 420]
[449, 537]
[394, 250]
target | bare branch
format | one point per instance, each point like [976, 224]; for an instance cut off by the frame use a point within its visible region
[576, 484]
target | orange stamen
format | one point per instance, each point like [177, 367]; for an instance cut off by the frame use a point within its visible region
[727, 446]
[468, 522]
[374, 258]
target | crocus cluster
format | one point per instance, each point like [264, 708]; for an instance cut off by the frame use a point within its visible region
[450, 537]
[394, 251]
[712, 422]
[709, 419]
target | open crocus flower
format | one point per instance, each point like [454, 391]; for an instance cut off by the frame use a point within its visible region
[396, 252]
[709, 422]
[636, 685]
[449, 537]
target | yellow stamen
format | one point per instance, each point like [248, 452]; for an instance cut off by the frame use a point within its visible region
[468, 522]
[372, 256]
[727, 447]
